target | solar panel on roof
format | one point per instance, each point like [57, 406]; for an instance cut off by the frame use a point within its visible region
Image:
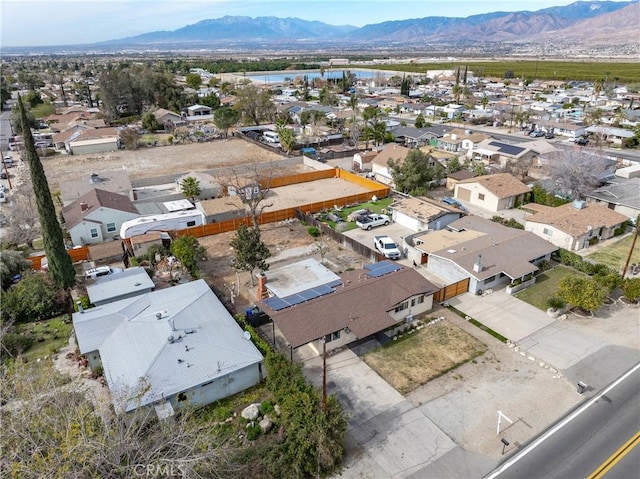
[384, 270]
[335, 283]
[308, 294]
[276, 303]
[294, 299]
[508, 149]
[322, 290]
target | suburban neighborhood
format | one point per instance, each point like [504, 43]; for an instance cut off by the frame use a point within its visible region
[340, 270]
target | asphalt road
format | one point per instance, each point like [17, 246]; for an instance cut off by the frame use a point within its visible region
[579, 445]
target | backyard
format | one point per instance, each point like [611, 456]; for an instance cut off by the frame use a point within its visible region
[48, 336]
[615, 255]
[380, 206]
[414, 360]
[545, 287]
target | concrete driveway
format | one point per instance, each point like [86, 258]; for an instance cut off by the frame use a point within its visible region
[512, 318]
[388, 437]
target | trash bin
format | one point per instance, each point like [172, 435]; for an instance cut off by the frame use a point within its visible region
[581, 387]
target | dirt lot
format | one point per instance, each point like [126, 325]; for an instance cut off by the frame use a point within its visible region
[157, 161]
[288, 242]
[428, 353]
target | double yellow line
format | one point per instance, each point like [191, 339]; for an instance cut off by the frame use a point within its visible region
[615, 457]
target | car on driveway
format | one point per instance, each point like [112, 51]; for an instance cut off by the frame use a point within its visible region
[447, 200]
[536, 134]
[387, 247]
[581, 141]
[366, 222]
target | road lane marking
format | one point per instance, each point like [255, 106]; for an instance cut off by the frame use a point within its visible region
[615, 457]
[496, 472]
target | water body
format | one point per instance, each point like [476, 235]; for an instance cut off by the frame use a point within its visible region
[279, 77]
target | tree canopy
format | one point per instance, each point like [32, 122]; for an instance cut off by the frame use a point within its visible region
[250, 252]
[189, 252]
[254, 104]
[412, 176]
[225, 118]
[190, 188]
[582, 292]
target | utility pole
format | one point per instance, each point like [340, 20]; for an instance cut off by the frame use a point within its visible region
[633, 245]
[324, 376]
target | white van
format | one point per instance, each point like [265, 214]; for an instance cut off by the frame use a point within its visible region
[93, 273]
[271, 137]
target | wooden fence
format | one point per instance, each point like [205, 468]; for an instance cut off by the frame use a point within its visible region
[451, 291]
[76, 254]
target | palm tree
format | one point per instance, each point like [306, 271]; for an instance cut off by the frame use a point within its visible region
[190, 188]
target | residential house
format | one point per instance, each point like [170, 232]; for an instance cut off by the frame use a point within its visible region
[97, 216]
[122, 285]
[461, 141]
[116, 181]
[616, 136]
[412, 137]
[621, 195]
[380, 164]
[419, 214]
[454, 178]
[488, 253]
[574, 226]
[310, 304]
[493, 152]
[168, 118]
[140, 244]
[362, 160]
[492, 192]
[174, 348]
[568, 130]
[222, 209]
[199, 113]
[94, 140]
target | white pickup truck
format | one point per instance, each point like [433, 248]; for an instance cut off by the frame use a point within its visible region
[366, 222]
[387, 247]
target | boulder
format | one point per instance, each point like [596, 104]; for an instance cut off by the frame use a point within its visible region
[276, 408]
[251, 412]
[265, 425]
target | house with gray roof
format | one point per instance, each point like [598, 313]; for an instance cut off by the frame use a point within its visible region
[489, 254]
[621, 195]
[168, 349]
[116, 181]
[97, 216]
[121, 285]
[310, 304]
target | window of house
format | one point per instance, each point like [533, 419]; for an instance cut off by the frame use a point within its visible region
[490, 279]
[332, 337]
[94, 233]
[413, 302]
[402, 307]
[111, 227]
[547, 231]
[481, 196]
[420, 300]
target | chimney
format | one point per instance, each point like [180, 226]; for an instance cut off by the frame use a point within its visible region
[477, 266]
[262, 286]
[83, 206]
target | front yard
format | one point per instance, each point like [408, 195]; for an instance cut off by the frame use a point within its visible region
[545, 287]
[615, 254]
[424, 355]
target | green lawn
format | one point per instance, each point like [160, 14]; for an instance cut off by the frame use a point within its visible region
[49, 336]
[545, 287]
[615, 255]
[376, 207]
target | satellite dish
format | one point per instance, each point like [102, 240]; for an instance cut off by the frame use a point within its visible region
[247, 335]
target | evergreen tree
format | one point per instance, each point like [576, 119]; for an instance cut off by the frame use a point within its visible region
[250, 251]
[60, 264]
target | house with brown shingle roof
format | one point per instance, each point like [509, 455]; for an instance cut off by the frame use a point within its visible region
[380, 164]
[492, 192]
[308, 303]
[488, 253]
[97, 216]
[574, 226]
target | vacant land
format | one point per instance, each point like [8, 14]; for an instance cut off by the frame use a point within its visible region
[616, 254]
[424, 355]
[545, 287]
[158, 161]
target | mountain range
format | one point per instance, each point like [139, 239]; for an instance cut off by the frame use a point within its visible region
[604, 22]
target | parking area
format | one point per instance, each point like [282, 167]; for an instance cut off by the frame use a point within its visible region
[394, 230]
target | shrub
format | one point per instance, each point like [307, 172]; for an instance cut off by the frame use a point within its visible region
[35, 297]
[313, 231]
[253, 431]
[631, 288]
[610, 280]
[84, 301]
[556, 303]
[15, 344]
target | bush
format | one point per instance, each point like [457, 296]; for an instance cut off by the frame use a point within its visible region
[15, 344]
[253, 432]
[313, 231]
[84, 301]
[631, 288]
[34, 298]
[556, 303]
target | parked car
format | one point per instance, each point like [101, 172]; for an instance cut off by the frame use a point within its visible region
[366, 222]
[447, 200]
[549, 135]
[581, 141]
[93, 273]
[536, 134]
[387, 247]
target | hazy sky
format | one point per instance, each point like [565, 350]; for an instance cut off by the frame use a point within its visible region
[73, 22]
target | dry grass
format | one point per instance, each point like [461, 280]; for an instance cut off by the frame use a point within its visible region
[423, 356]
